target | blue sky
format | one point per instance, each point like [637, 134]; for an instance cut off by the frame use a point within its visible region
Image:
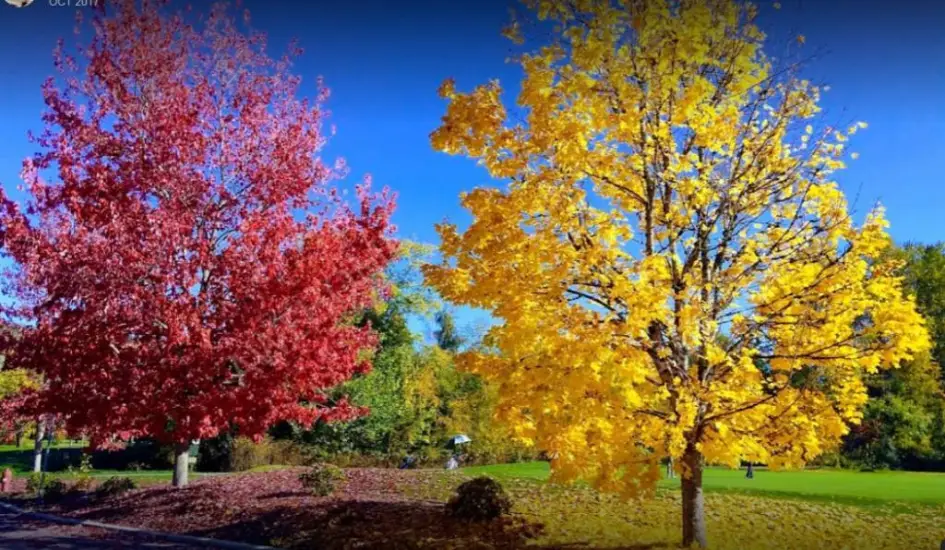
[885, 64]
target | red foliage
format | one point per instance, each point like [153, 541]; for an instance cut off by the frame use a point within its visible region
[192, 266]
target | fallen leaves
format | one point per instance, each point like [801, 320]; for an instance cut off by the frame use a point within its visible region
[381, 508]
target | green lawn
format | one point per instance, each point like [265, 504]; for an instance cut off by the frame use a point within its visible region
[823, 485]
[28, 446]
[20, 461]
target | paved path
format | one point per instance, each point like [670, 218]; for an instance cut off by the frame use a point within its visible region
[19, 533]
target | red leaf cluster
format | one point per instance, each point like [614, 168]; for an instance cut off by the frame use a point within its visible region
[192, 266]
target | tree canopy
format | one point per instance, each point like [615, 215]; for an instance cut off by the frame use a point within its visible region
[193, 264]
[668, 185]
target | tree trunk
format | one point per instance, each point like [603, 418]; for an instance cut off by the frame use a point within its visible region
[38, 444]
[693, 502]
[19, 435]
[181, 464]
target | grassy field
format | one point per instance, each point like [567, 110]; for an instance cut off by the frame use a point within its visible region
[28, 446]
[817, 485]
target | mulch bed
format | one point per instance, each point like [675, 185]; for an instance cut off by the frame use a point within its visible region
[372, 510]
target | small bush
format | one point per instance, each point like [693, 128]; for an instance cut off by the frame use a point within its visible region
[116, 486]
[83, 474]
[55, 489]
[480, 499]
[83, 483]
[322, 479]
[33, 482]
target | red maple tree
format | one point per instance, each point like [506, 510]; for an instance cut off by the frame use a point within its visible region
[191, 267]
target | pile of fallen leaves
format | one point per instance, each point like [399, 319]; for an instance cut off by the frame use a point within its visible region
[382, 508]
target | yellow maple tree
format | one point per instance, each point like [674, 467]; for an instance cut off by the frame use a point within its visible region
[676, 272]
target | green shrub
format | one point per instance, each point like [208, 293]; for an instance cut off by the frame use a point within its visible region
[322, 479]
[83, 474]
[480, 499]
[33, 482]
[116, 486]
[83, 484]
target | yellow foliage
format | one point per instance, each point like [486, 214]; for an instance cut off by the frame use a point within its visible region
[13, 381]
[676, 273]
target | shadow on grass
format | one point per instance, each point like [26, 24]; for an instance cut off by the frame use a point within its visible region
[21, 460]
[18, 461]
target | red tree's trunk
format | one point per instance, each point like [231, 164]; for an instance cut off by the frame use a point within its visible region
[181, 464]
[693, 503]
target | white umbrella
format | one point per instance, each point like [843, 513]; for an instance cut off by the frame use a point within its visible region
[459, 439]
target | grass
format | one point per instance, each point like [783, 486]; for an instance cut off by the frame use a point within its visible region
[842, 486]
[143, 478]
[20, 461]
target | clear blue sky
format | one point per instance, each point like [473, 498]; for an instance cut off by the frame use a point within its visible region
[383, 61]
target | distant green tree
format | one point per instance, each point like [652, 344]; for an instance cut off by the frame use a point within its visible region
[902, 423]
[415, 396]
[924, 273]
[402, 392]
[446, 334]
[904, 420]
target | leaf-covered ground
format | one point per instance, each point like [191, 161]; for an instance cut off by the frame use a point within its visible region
[403, 509]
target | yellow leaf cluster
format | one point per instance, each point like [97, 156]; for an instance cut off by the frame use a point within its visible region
[14, 381]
